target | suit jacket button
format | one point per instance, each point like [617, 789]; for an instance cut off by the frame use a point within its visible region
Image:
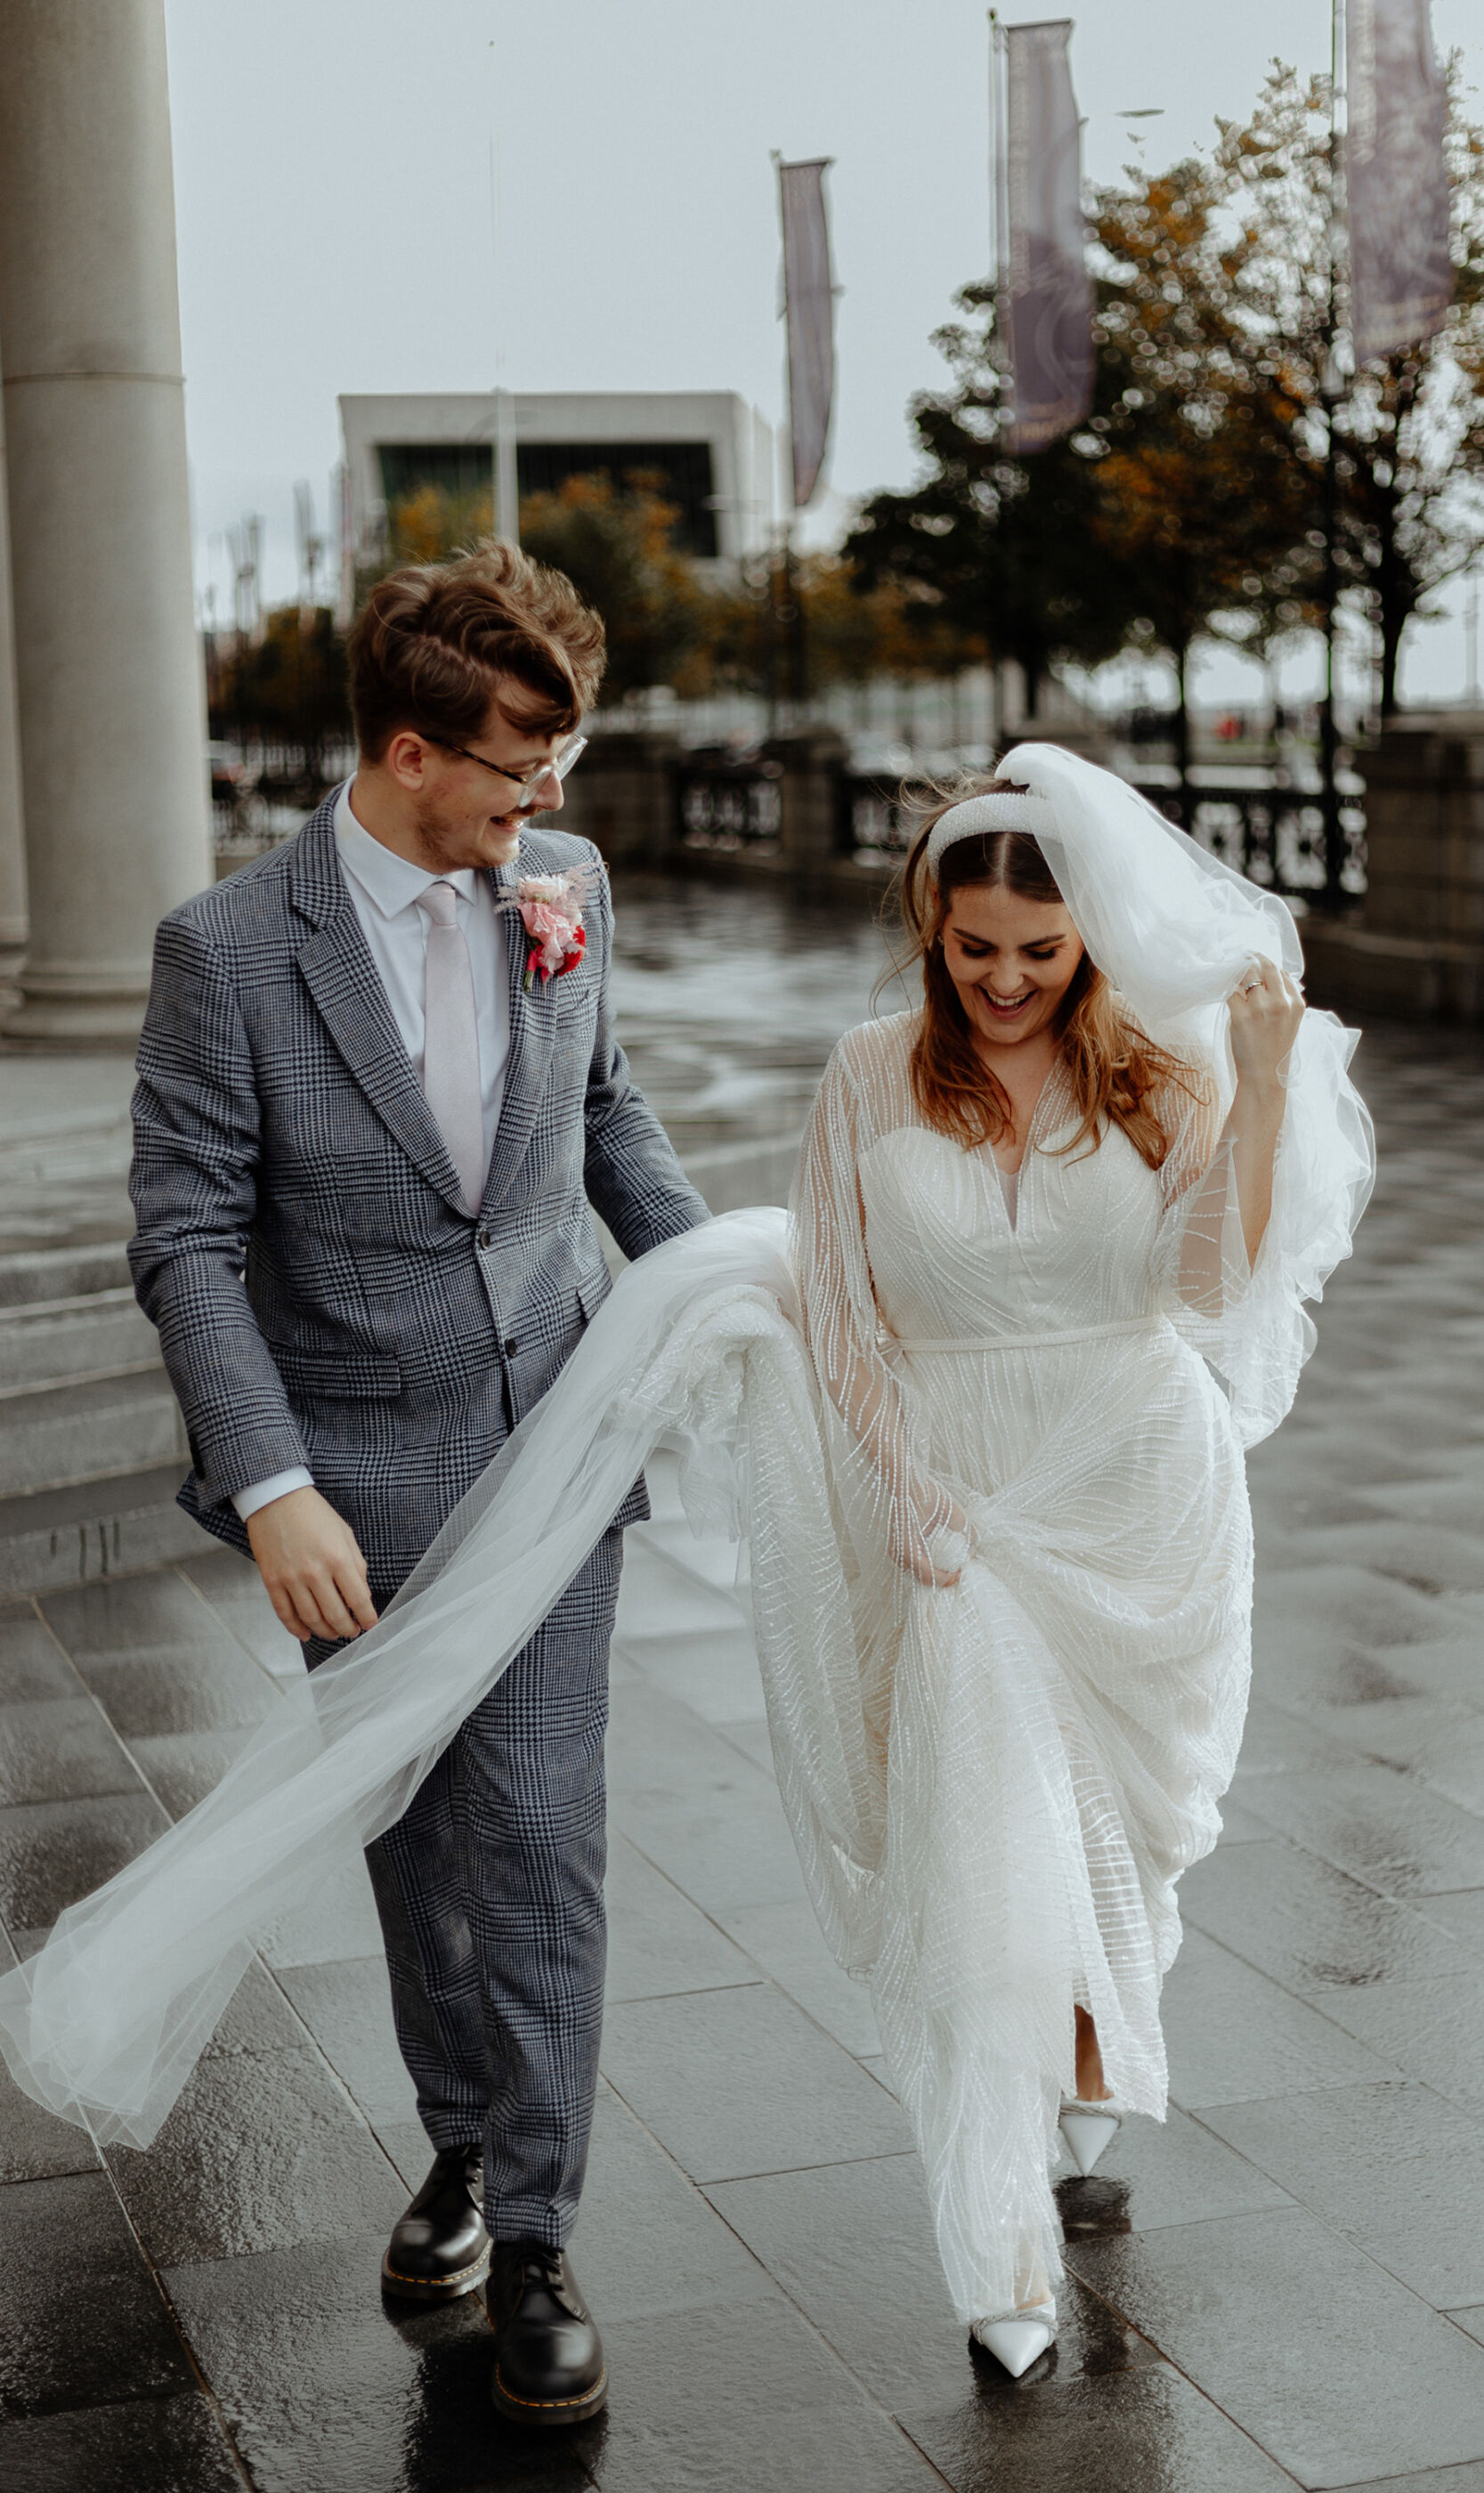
[483, 1240]
[511, 1348]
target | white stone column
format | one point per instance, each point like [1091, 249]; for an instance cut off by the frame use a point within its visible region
[108, 671]
[12, 849]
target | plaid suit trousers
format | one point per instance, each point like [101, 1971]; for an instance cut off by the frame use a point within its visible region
[489, 1889]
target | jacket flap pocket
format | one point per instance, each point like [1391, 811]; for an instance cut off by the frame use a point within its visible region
[327, 1376]
[592, 1289]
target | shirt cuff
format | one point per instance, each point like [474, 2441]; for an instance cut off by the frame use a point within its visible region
[246, 1501]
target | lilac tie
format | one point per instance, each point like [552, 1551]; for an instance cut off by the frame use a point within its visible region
[451, 1083]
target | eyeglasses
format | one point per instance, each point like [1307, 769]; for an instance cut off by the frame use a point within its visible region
[526, 780]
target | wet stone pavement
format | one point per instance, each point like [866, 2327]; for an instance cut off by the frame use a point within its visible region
[1284, 2285]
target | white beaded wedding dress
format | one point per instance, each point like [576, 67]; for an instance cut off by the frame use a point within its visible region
[993, 1783]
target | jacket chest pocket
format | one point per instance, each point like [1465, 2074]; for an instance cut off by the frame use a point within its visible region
[315, 1376]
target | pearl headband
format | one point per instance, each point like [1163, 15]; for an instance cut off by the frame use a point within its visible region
[1001, 812]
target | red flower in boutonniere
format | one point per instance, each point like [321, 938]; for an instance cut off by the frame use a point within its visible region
[550, 907]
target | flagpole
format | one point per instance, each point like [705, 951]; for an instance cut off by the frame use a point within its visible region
[996, 152]
[998, 220]
[1329, 395]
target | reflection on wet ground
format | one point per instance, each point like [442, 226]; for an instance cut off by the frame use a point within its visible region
[1283, 2284]
[727, 1001]
[730, 1001]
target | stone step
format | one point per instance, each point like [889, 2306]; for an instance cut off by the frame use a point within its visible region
[32, 1274]
[61, 1341]
[58, 1537]
[66, 1433]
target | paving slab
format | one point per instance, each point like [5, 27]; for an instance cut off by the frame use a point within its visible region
[1391, 2166]
[736, 2082]
[787, 1942]
[82, 2322]
[263, 2151]
[149, 1614]
[1432, 2030]
[1172, 2172]
[1298, 2339]
[853, 2245]
[1436, 2479]
[754, 2212]
[60, 1747]
[150, 1694]
[728, 2399]
[234, 1590]
[347, 2008]
[52, 1852]
[1234, 2033]
[1311, 1926]
[659, 1941]
[169, 2444]
[326, 2390]
[181, 1767]
[1462, 1915]
[1142, 2430]
[1380, 1824]
[33, 1665]
[647, 2239]
[338, 1920]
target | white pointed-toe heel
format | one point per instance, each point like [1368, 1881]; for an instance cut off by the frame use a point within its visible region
[1017, 2340]
[1089, 2130]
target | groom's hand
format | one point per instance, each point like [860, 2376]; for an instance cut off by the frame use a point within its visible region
[311, 1561]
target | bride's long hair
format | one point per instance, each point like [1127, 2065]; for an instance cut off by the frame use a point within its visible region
[1118, 1075]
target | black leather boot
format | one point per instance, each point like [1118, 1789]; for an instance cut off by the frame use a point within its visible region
[440, 2248]
[549, 2365]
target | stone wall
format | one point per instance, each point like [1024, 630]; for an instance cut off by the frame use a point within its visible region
[1415, 949]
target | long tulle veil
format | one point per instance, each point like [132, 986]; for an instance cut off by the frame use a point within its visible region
[702, 1344]
[104, 2025]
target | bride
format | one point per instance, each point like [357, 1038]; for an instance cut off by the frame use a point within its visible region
[980, 1404]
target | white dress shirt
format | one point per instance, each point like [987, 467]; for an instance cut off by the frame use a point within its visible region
[384, 890]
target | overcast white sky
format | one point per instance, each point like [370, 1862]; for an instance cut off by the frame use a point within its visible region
[339, 228]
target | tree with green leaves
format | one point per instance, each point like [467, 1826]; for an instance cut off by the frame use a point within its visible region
[1408, 429]
[1201, 503]
[615, 542]
[288, 687]
[1156, 519]
[998, 551]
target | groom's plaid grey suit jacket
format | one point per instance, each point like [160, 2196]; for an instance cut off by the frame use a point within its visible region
[321, 1293]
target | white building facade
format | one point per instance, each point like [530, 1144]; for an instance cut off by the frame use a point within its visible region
[714, 457]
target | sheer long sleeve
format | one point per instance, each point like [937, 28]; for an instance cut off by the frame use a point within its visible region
[893, 1499]
[1249, 1318]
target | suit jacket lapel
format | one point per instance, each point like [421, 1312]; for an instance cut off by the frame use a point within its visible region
[530, 1039]
[343, 980]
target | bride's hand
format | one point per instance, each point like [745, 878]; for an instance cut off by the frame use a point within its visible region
[1267, 1010]
[913, 1547]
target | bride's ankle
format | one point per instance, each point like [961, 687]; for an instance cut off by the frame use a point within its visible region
[1091, 2084]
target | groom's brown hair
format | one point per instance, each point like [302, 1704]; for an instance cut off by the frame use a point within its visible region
[433, 641]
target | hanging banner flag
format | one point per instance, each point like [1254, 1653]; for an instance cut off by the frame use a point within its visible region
[1396, 178]
[1045, 292]
[809, 304]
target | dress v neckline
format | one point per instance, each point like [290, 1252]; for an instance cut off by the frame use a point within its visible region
[1009, 1180]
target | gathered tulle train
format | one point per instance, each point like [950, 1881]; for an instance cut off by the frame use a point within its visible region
[992, 1476]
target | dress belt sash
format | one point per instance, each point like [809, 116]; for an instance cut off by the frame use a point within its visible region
[1036, 1340]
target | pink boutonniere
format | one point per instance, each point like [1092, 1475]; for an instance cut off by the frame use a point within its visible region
[550, 907]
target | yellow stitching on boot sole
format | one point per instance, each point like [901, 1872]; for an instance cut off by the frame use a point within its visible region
[601, 2383]
[451, 2276]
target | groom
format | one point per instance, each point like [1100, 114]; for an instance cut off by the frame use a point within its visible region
[365, 1153]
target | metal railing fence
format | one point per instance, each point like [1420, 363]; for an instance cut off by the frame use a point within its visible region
[729, 807]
